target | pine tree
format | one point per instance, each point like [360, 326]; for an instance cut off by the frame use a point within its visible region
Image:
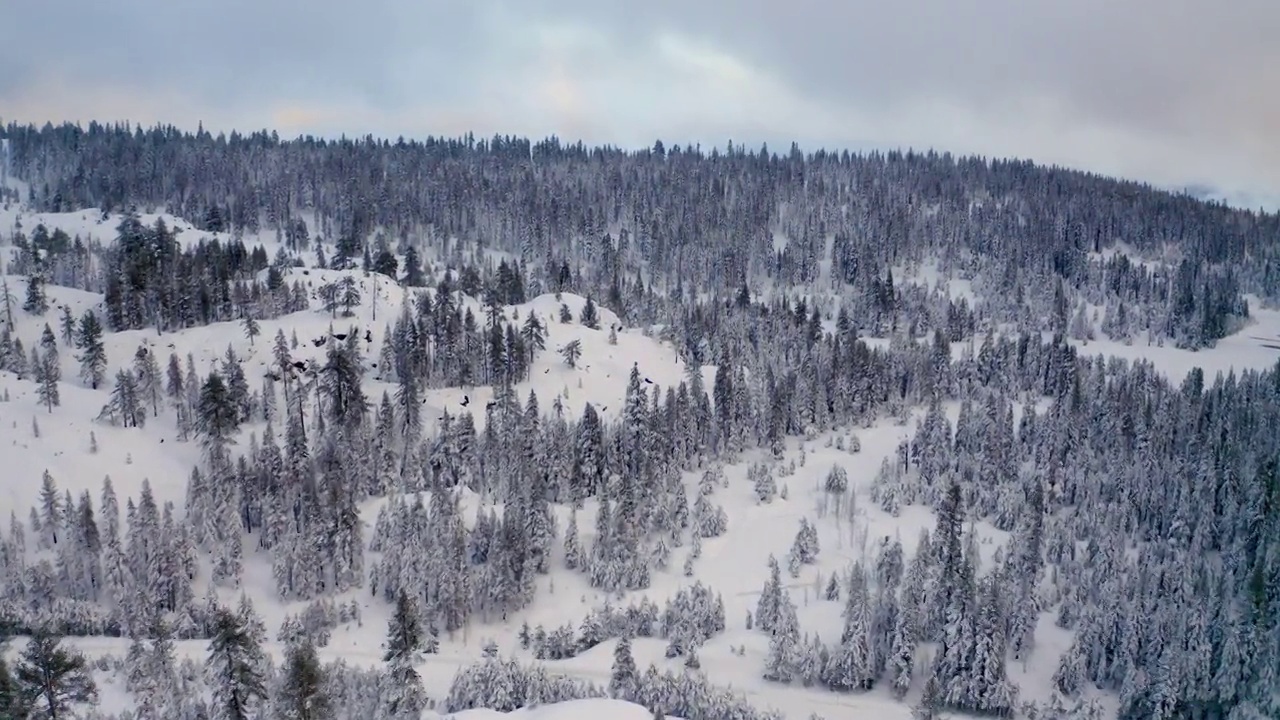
[52, 679]
[348, 294]
[340, 380]
[125, 404]
[237, 383]
[11, 697]
[573, 558]
[784, 643]
[149, 383]
[413, 276]
[571, 352]
[251, 328]
[217, 416]
[624, 681]
[852, 666]
[67, 326]
[770, 598]
[804, 550]
[590, 317]
[48, 369]
[403, 695]
[235, 667]
[303, 695]
[37, 302]
[93, 353]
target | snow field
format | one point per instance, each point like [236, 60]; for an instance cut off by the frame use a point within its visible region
[734, 564]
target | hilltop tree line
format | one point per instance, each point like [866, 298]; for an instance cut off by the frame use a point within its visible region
[696, 219]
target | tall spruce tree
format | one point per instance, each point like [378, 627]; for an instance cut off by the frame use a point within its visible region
[234, 668]
[93, 353]
[402, 695]
[302, 694]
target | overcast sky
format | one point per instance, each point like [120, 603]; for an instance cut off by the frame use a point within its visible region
[1168, 91]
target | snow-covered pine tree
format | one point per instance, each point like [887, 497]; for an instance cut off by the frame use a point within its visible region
[235, 668]
[571, 352]
[767, 607]
[851, 666]
[302, 694]
[251, 327]
[93, 353]
[124, 407]
[783, 660]
[624, 679]
[50, 678]
[402, 692]
[590, 317]
[149, 380]
[48, 369]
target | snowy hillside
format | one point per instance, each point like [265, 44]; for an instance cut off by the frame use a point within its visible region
[487, 488]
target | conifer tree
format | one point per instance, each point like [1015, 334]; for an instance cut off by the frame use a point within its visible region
[590, 317]
[37, 302]
[217, 416]
[303, 695]
[403, 695]
[624, 680]
[48, 369]
[251, 328]
[51, 679]
[149, 382]
[234, 667]
[11, 698]
[571, 352]
[93, 353]
[67, 326]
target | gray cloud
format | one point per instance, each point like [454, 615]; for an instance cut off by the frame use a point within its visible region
[1172, 91]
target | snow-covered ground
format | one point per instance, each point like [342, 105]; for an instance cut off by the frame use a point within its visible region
[572, 710]
[33, 440]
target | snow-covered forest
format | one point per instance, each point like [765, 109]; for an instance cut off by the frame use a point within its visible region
[313, 429]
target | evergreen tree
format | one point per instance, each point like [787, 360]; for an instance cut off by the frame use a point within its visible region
[93, 353]
[37, 302]
[67, 326]
[251, 327]
[413, 276]
[125, 404]
[534, 334]
[852, 665]
[783, 661]
[48, 369]
[217, 416]
[590, 317]
[149, 382]
[234, 667]
[340, 380]
[12, 704]
[51, 679]
[770, 598]
[403, 695]
[303, 695]
[624, 680]
[571, 352]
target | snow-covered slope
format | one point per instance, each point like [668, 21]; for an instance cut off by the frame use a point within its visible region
[572, 710]
[734, 565]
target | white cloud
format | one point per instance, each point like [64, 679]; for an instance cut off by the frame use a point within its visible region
[1172, 92]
